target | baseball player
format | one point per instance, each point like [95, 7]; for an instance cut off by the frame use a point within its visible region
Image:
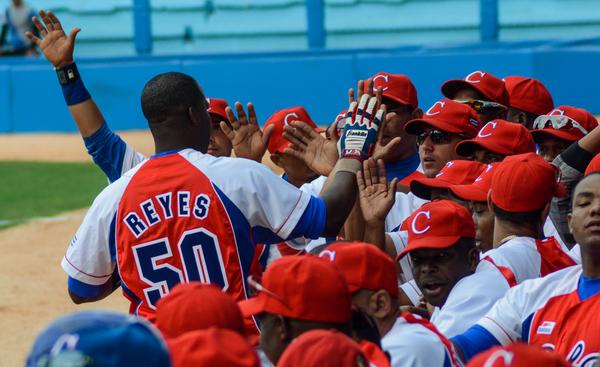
[522, 187]
[529, 98]
[496, 140]
[484, 92]
[559, 128]
[372, 281]
[446, 266]
[558, 311]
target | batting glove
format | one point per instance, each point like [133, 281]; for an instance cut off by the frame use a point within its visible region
[360, 129]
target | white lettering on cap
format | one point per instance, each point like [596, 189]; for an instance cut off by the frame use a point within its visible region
[384, 77]
[292, 114]
[482, 134]
[448, 165]
[434, 110]
[505, 355]
[329, 254]
[487, 169]
[475, 77]
[413, 225]
[556, 112]
[208, 103]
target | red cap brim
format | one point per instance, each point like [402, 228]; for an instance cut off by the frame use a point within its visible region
[398, 100]
[466, 148]
[560, 134]
[468, 193]
[421, 187]
[450, 87]
[414, 126]
[252, 306]
[432, 242]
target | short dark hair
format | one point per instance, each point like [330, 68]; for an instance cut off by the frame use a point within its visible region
[465, 243]
[170, 94]
[517, 218]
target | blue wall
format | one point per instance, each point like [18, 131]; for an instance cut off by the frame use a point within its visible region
[30, 98]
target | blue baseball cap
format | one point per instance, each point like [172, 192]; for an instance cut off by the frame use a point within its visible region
[99, 339]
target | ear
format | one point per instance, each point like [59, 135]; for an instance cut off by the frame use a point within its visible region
[489, 202]
[193, 115]
[283, 329]
[417, 113]
[276, 158]
[473, 257]
[380, 304]
[570, 222]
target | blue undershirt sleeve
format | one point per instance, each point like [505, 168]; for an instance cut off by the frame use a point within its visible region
[474, 341]
[108, 151]
[83, 290]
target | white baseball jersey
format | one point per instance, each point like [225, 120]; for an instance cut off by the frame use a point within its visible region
[469, 300]
[203, 220]
[522, 258]
[415, 342]
[559, 312]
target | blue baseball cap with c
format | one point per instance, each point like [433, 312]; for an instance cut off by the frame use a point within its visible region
[99, 339]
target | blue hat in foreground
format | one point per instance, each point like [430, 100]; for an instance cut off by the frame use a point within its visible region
[99, 339]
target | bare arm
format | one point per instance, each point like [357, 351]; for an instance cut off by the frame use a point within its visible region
[107, 288]
[58, 48]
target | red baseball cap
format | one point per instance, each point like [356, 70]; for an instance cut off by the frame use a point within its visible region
[485, 83]
[449, 116]
[196, 306]
[212, 347]
[564, 122]
[364, 266]
[277, 143]
[524, 183]
[302, 287]
[216, 107]
[500, 137]
[478, 190]
[528, 94]
[437, 225]
[518, 355]
[594, 165]
[396, 87]
[457, 172]
[317, 348]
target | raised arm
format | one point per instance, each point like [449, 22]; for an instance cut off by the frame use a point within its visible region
[58, 48]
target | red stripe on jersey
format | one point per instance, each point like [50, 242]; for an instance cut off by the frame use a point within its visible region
[569, 326]
[412, 319]
[553, 256]
[510, 277]
[162, 243]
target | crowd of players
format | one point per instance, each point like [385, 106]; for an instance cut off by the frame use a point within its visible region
[468, 234]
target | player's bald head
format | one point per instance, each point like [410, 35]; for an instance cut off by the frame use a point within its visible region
[169, 95]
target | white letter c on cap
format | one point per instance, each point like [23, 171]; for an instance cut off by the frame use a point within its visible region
[505, 355]
[385, 77]
[328, 254]
[481, 134]
[432, 111]
[287, 117]
[413, 225]
[471, 77]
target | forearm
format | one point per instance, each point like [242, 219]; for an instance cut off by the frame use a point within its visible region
[87, 116]
[354, 227]
[340, 196]
[591, 142]
[375, 234]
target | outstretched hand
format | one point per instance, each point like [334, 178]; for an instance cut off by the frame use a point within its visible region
[248, 140]
[319, 153]
[54, 43]
[376, 194]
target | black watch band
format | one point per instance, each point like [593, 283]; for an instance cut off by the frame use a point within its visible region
[67, 74]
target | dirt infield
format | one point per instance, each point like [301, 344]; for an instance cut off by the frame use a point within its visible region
[33, 287]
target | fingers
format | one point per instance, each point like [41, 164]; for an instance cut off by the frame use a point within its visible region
[231, 117]
[252, 120]
[379, 116]
[227, 130]
[54, 20]
[305, 128]
[294, 152]
[382, 172]
[73, 34]
[370, 85]
[267, 135]
[392, 188]
[379, 96]
[373, 172]
[47, 21]
[297, 142]
[39, 26]
[241, 113]
[332, 130]
[350, 95]
[360, 180]
[367, 173]
[361, 89]
[360, 111]
[33, 38]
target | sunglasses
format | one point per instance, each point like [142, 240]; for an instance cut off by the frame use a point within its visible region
[483, 106]
[437, 137]
[558, 122]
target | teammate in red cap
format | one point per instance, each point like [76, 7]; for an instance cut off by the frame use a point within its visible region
[446, 266]
[458, 172]
[559, 311]
[476, 195]
[594, 165]
[522, 188]
[496, 140]
[529, 98]
[518, 355]
[372, 281]
[484, 92]
[297, 294]
[317, 348]
[212, 347]
[559, 128]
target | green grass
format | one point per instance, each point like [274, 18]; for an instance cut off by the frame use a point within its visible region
[42, 189]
